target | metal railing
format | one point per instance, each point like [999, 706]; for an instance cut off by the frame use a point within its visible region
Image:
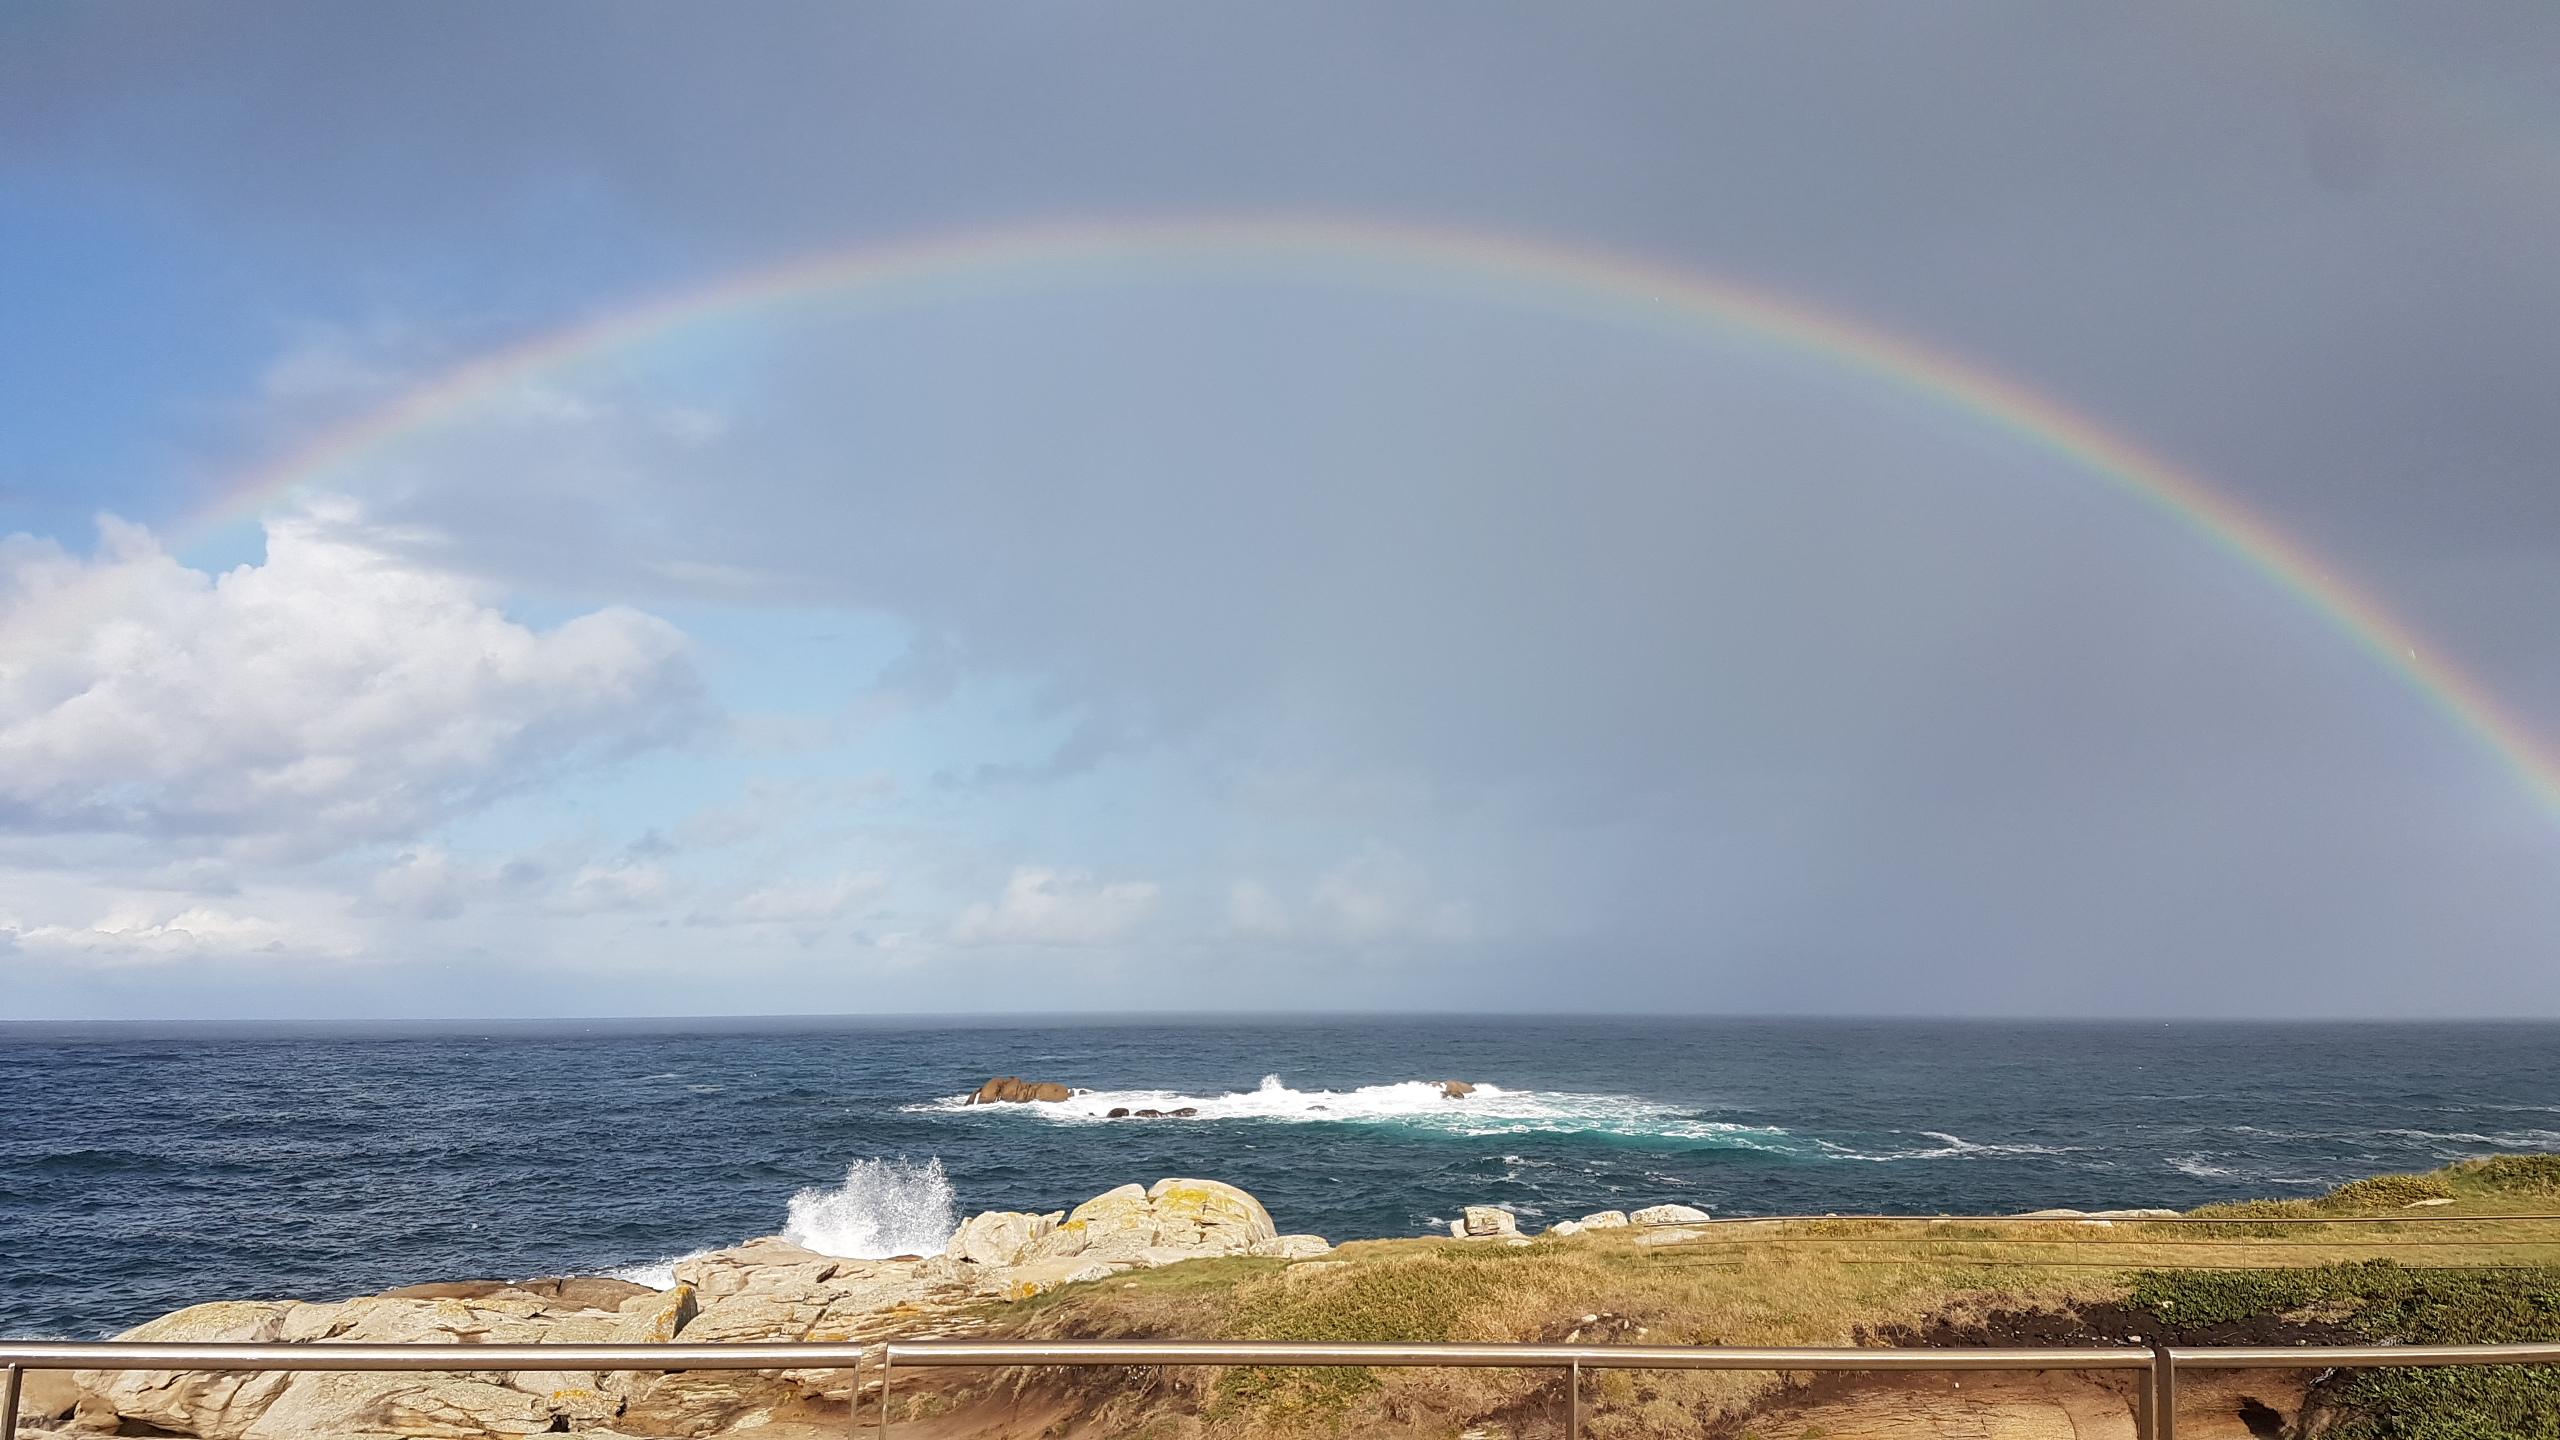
[2155, 1397]
[1572, 1359]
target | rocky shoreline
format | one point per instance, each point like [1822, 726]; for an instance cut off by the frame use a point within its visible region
[767, 1289]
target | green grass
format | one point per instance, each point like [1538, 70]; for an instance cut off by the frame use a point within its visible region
[1832, 1282]
[2388, 1303]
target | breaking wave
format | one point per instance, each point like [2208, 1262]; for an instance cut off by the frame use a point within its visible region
[1420, 1105]
[1948, 1147]
[883, 1208]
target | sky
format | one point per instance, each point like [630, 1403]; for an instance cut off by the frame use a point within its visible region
[1063, 620]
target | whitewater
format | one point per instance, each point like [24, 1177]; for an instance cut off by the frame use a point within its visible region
[149, 1169]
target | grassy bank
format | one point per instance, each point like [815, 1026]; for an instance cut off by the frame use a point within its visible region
[2467, 1266]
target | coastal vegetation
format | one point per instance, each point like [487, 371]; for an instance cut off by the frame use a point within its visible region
[2455, 1255]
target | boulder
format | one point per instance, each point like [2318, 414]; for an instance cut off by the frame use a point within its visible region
[1039, 1277]
[705, 1402]
[719, 1273]
[1653, 1235]
[431, 1407]
[999, 1237]
[1670, 1215]
[1118, 1112]
[217, 1405]
[654, 1318]
[1605, 1220]
[46, 1396]
[1456, 1089]
[1291, 1247]
[293, 1405]
[1565, 1228]
[1489, 1221]
[1012, 1090]
[591, 1292]
[1174, 1217]
[818, 1299]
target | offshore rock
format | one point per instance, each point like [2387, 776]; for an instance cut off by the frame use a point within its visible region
[1012, 1090]
[1456, 1089]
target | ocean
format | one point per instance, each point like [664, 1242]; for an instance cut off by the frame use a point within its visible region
[144, 1168]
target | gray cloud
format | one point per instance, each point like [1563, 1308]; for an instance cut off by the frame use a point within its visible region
[1772, 688]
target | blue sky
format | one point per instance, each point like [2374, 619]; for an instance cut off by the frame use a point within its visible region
[1199, 640]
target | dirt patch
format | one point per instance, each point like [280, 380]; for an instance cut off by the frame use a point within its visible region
[2104, 1323]
[2055, 1406]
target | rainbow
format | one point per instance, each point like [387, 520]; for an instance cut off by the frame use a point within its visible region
[1503, 269]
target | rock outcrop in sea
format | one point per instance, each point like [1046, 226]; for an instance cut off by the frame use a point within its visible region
[1013, 1090]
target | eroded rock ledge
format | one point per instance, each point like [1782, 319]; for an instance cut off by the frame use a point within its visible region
[764, 1290]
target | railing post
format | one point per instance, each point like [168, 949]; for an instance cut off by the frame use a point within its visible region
[1573, 1402]
[2164, 1394]
[852, 1402]
[2143, 1385]
[884, 1390]
[9, 1403]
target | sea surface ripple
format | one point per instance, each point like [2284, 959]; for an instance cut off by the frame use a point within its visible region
[148, 1168]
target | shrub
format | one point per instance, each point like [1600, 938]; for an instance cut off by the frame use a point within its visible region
[2510, 1175]
[2387, 1192]
[2386, 1302]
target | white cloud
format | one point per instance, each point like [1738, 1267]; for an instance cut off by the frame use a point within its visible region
[135, 932]
[799, 903]
[1042, 906]
[620, 885]
[1254, 912]
[425, 883]
[334, 694]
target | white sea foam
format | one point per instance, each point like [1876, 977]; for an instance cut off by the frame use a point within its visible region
[1948, 1147]
[883, 1208]
[2504, 1139]
[657, 1274]
[1414, 1104]
[2199, 1167]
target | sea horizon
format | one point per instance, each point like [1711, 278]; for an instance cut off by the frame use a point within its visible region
[320, 1157]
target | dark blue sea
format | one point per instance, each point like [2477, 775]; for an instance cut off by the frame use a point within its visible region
[146, 1168]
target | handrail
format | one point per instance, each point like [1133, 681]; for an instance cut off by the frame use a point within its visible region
[333, 1355]
[1607, 1357]
[2323, 1357]
[2422, 1217]
[2156, 1399]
